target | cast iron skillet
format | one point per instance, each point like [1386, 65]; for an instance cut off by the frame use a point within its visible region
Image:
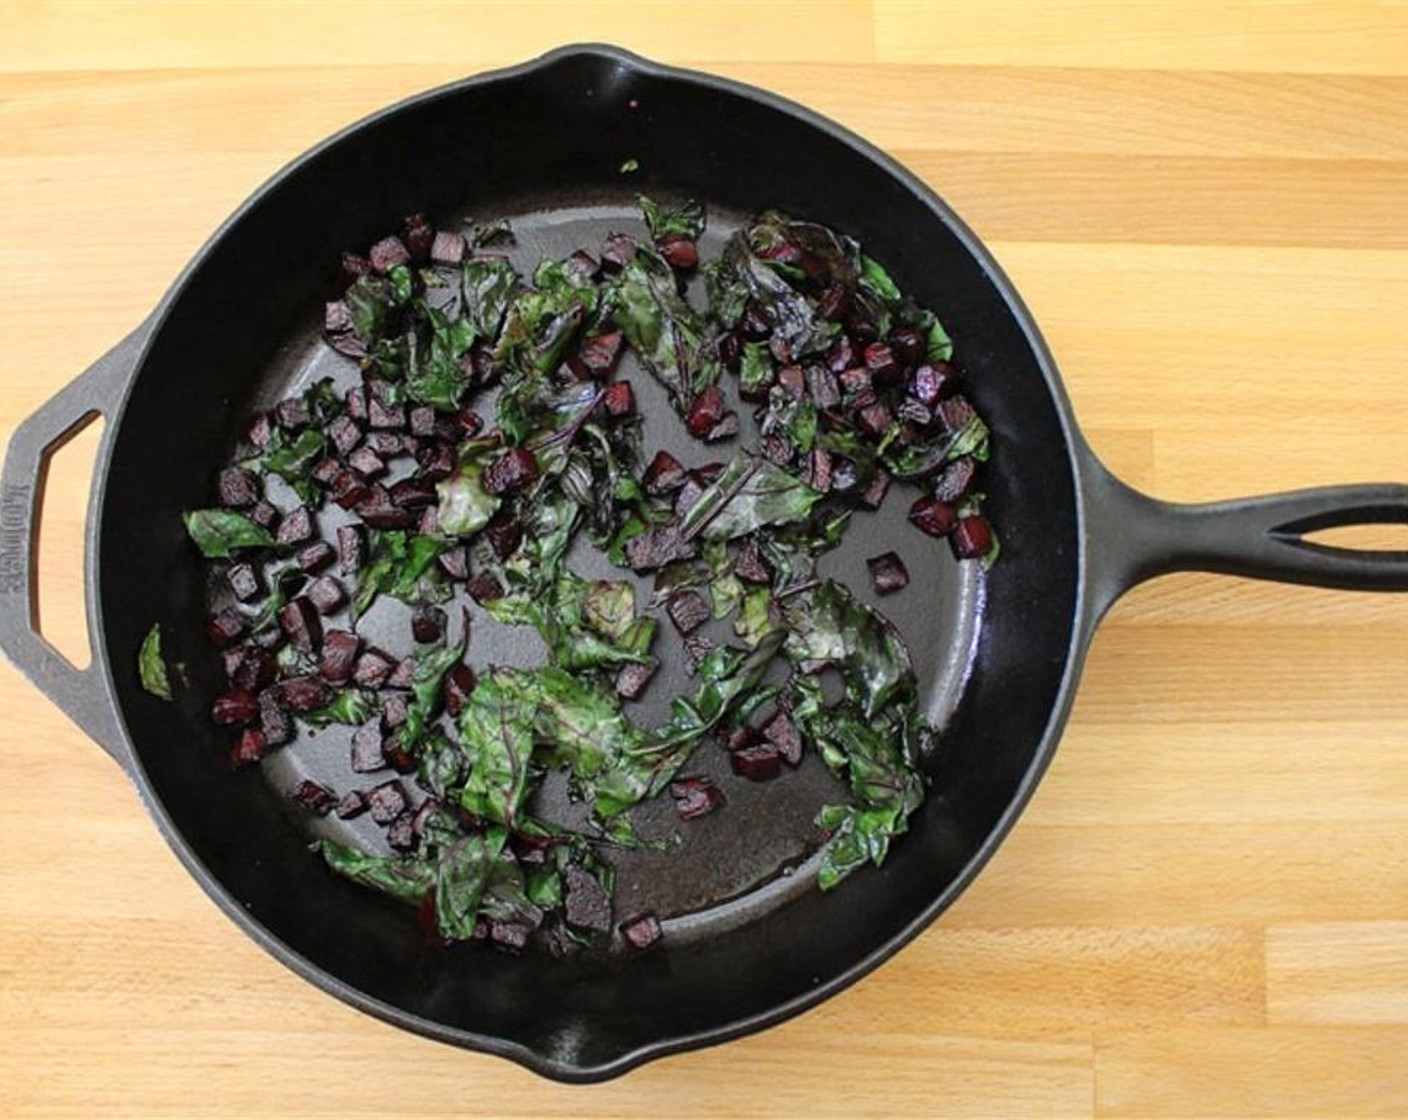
[999, 655]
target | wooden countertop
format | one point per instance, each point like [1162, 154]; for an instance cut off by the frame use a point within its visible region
[1204, 911]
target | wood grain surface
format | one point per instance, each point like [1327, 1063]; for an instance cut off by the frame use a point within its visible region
[1205, 910]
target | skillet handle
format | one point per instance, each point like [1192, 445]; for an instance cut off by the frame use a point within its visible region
[82, 694]
[1136, 537]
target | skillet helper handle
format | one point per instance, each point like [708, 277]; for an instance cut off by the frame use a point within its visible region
[81, 693]
[1260, 538]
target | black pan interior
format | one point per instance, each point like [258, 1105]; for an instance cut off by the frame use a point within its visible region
[547, 144]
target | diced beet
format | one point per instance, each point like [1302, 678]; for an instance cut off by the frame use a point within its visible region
[581, 265]
[880, 361]
[454, 562]
[954, 413]
[740, 738]
[933, 516]
[397, 757]
[750, 566]
[504, 534]
[761, 763]
[436, 460]
[387, 801]
[372, 669]
[619, 399]
[296, 526]
[874, 494]
[422, 420]
[380, 512]
[855, 382]
[587, 905]
[366, 463]
[680, 252]
[697, 647]
[688, 494]
[455, 688]
[339, 656]
[305, 694]
[351, 548]
[514, 470]
[861, 330]
[696, 797]
[352, 805]
[641, 931]
[631, 680]
[907, 344]
[780, 349]
[337, 319]
[237, 488]
[706, 410]
[266, 515]
[823, 387]
[327, 595]
[617, 251]
[730, 351]
[354, 404]
[273, 720]
[255, 670]
[316, 556]
[421, 819]
[793, 381]
[249, 748]
[261, 430]
[755, 326]
[469, 423]
[687, 611]
[349, 489]
[419, 236]
[509, 936]
[245, 581]
[665, 475]
[842, 356]
[427, 624]
[448, 248]
[599, 353]
[291, 413]
[317, 799]
[484, 587]
[910, 411]
[887, 573]
[932, 381]
[972, 537]
[403, 675]
[366, 747]
[353, 266]
[706, 474]
[656, 547]
[726, 428]
[777, 449]
[349, 344]
[782, 733]
[325, 470]
[957, 476]
[819, 469]
[875, 418]
[225, 628]
[385, 418]
[834, 302]
[394, 706]
[412, 493]
[235, 708]
[298, 619]
[387, 253]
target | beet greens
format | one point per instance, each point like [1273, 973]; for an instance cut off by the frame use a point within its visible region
[418, 497]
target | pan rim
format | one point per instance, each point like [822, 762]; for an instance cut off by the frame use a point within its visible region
[1081, 465]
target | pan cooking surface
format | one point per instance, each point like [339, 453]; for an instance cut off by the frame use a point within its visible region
[761, 849]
